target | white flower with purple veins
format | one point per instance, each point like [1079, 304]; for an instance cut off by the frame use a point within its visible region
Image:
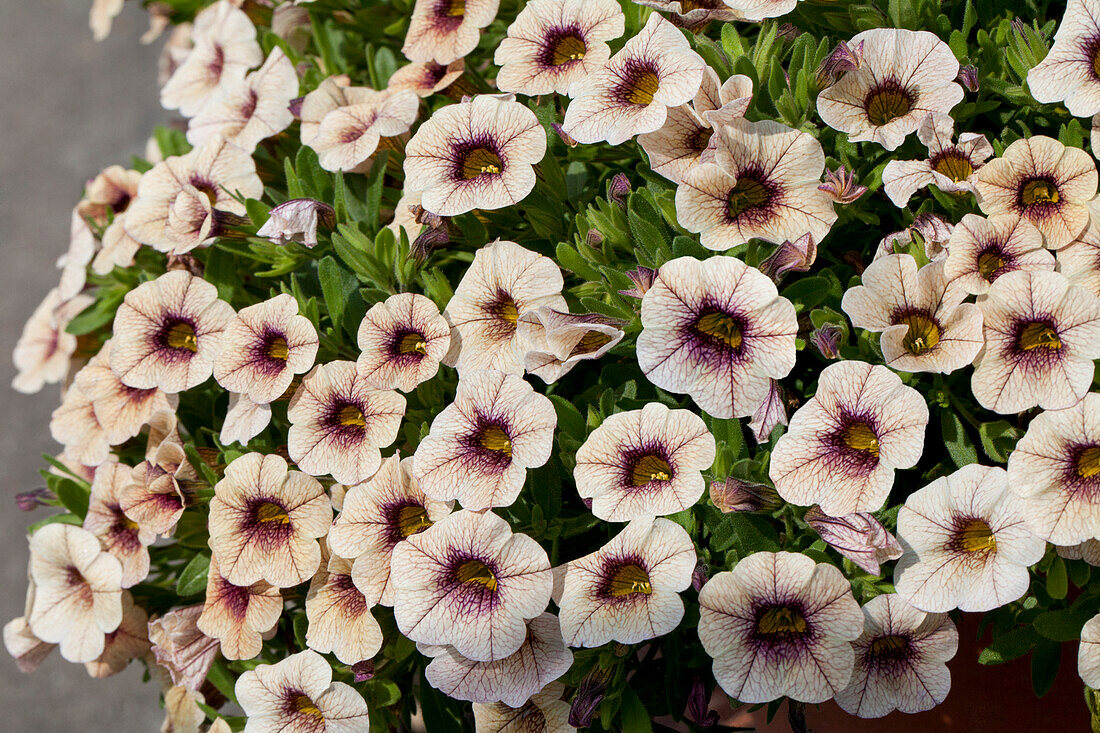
[168, 332]
[545, 712]
[966, 543]
[42, 354]
[297, 220]
[402, 340]
[470, 583]
[631, 93]
[349, 136]
[1088, 654]
[125, 539]
[554, 43]
[425, 78]
[925, 325]
[480, 446]
[780, 625]
[1041, 337]
[1079, 261]
[628, 590]
[981, 250]
[238, 616]
[949, 165]
[512, 680]
[844, 444]
[644, 463]
[1056, 469]
[445, 30]
[1070, 72]
[478, 154]
[718, 331]
[559, 341]
[904, 76]
[339, 615]
[900, 660]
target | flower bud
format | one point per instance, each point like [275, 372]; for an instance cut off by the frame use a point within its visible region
[28, 501]
[968, 77]
[565, 138]
[844, 58]
[619, 189]
[796, 256]
[841, 186]
[827, 340]
[364, 670]
[594, 239]
[738, 495]
[698, 707]
[296, 220]
[859, 537]
[771, 412]
[643, 278]
[586, 700]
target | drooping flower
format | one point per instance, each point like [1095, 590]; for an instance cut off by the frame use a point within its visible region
[339, 615]
[925, 325]
[1043, 181]
[843, 445]
[445, 30]
[108, 195]
[44, 351]
[545, 711]
[377, 514]
[470, 583]
[296, 220]
[477, 154]
[763, 183]
[644, 463]
[77, 591]
[558, 341]
[350, 134]
[167, 333]
[1068, 73]
[265, 346]
[966, 543]
[628, 590]
[504, 282]
[949, 166]
[402, 340]
[631, 93]
[796, 256]
[338, 423]
[694, 14]
[480, 446]
[904, 76]
[158, 490]
[779, 625]
[26, 650]
[75, 426]
[981, 250]
[331, 94]
[129, 641]
[1079, 261]
[554, 43]
[900, 660]
[119, 535]
[1055, 467]
[265, 521]
[512, 680]
[1041, 337]
[180, 648]
[244, 420]
[425, 78]
[297, 695]
[238, 615]
[737, 495]
[182, 713]
[859, 537]
[716, 330]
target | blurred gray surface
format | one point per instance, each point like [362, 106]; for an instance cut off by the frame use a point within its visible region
[70, 107]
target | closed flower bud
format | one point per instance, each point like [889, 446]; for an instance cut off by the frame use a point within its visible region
[772, 412]
[844, 58]
[296, 220]
[968, 77]
[698, 707]
[859, 537]
[796, 256]
[738, 495]
[643, 278]
[619, 189]
[827, 340]
[587, 698]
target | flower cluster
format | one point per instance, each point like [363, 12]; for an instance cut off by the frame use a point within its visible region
[395, 375]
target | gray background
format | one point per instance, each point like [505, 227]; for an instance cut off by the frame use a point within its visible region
[70, 107]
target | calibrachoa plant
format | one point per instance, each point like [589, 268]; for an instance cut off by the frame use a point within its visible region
[513, 366]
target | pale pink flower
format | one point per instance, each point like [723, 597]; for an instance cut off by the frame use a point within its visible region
[445, 30]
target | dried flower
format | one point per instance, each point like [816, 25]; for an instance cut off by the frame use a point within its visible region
[842, 59]
[296, 220]
[859, 537]
[796, 256]
[841, 185]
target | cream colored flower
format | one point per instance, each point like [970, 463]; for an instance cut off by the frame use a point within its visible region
[338, 423]
[1041, 337]
[1088, 654]
[924, 323]
[966, 543]
[120, 410]
[554, 43]
[545, 712]
[119, 535]
[779, 625]
[118, 247]
[900, 660]
[1056, 469]
[179, 200]
[246, 111]
[558, 341]
[224, 49]
[905, 76]
[694, 14]
[331, 94]
[1079, 261]
[74, 263]
[843, 445]
[631, 93]
[425, 78]
[265, 346]
[180, 648]
[75, 426]
[129, 641]
[468, 582]
[26, 650]
[763, 183]
[477, 154]
[296, 220]
[949, 166]
[1069, 72]
[45, 349]
[102, 16]
[159, 489]
[77, 591]
[512, 680]
[244, 419]
[716, 330]
[480, 446]
[402, 341]
[168, 332]
[265, 521]
[981, 250]
[349, 135]
[297, 695]
[628, 590]
[445, 30]
[1043, 181]
[238, 616]
[377, 515]
[760, 9]
[182, 713]
[108, 195]
[644, 463]
[339, 615]
[504, 282]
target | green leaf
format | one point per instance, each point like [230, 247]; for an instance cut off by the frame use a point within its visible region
[1057, 582]
[194, 575]
[74, 496]
[570, 421]
[1064, 624]
[301, 626]
[1045, 661]
[1007, 647]
[958, 444]
[222, 679]
[635, 716]
[338, 286]
[998, 439]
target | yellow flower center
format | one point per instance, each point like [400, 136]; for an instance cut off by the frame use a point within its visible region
[182, 336]
[642, 86]
[271, 513]
[478, 573]
[781, 620]
[495, 439]
[1039, 336]
[453, 8]
[410, 343]
[976, 536]
[990, 263]
[886, 105]
[505, 309]
[591, 341]
[954, 165]
[1039, 192]
[923, 334]
[412, 520]
[566, 48]
[1096, 61]
[278, 349]
[747, 194]
[889, 646]
[349, 415]
[627, 580]
[720, 327]
[1087, 464]
[859, 436]
[650, 468]
[305, 706]
[479, 162]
